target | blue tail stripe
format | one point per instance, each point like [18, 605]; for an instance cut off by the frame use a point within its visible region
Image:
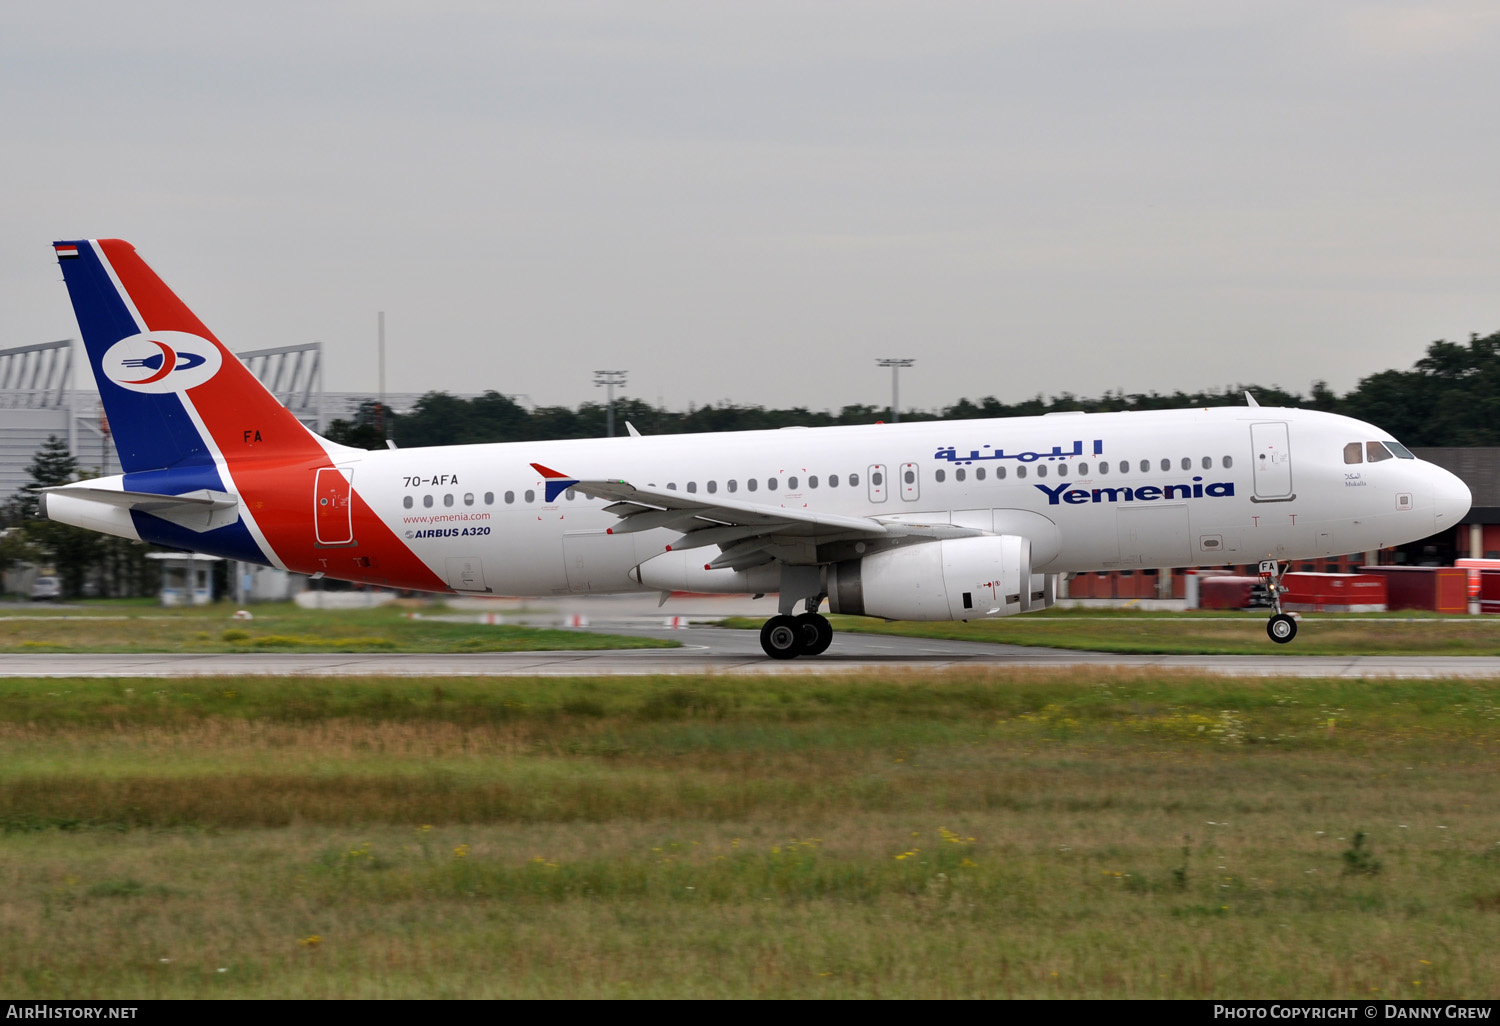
[150, 431]
[232, 541]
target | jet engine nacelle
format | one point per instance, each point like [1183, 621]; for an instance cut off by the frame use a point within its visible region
[952, 579]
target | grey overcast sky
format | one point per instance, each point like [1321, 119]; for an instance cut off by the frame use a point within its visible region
[752, 201]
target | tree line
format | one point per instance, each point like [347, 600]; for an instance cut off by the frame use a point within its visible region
[1450, 397]
[83, 561]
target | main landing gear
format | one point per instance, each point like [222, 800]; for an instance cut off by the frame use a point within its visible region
[787, 637]
[1282, 628]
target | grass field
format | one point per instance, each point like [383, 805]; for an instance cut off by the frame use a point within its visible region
[278, 627]
[972, 834]
[1102, 630]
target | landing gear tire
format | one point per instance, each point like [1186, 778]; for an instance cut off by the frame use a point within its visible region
[817, 633]
[1281, 628]
[782, 637]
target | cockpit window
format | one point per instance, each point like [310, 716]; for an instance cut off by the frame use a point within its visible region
[1376, 452]
[1401, 451]
[1354, 453]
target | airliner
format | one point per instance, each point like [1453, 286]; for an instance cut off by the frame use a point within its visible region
[946, 520]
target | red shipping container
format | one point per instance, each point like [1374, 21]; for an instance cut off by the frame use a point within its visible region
[1334, 593]
[1226, 592]
[1442, 589]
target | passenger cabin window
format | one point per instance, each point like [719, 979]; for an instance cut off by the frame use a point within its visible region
[853, 480]
[833, 480]
[999, 473]
[568, 494]
[1062, 470]
[958, 475]
[1104, 466]
[1166, 464]
[812, 481]
[426, 502]
[1375, 452]
[978, 474]
[468, 498]
[448, 499]
[530, 495]
[1041, 471]
[489, 498]
[752, 484]
[1208, 462]
[1021, 471]
[1145, 466]
[713, 487]
[510, 497]
[406, 502]
[791, 483]
[770, 484]
[1228, 462]
[877, 478]
[938, 475]
[734, 485]
[1083, 470]
[692, 486]
[1187, 463]
[1354, 453]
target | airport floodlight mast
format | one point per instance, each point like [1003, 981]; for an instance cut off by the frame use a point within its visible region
[609, 379]
[895, 365]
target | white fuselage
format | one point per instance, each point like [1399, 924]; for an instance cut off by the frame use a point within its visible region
[1090, 491]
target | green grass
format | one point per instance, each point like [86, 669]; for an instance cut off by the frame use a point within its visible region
[1026, 834]
[1198, 633]
[279, 627]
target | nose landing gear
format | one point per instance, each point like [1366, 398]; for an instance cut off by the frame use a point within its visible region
[1282, 627]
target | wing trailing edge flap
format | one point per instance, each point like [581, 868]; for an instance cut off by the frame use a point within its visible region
[650, 519]
[642, 509]
[202, 510]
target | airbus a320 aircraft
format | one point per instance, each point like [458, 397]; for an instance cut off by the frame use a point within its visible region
[953, 520]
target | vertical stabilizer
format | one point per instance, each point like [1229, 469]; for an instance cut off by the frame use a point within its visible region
[190, 420]
[175, 397]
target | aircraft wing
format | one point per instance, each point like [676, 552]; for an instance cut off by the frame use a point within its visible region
[745, 532]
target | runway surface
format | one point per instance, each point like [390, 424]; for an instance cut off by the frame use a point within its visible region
[719, 651]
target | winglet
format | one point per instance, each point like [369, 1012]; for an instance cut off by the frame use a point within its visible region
[556, 483]
[1250, 400]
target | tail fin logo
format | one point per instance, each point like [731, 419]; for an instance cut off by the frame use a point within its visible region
[161, 361]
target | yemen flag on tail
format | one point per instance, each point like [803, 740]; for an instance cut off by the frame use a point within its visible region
[556, 483]
[65, 251]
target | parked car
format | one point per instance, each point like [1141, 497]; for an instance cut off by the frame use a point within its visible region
[46, 588]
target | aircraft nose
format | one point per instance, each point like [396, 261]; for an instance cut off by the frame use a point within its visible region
[1451, 498]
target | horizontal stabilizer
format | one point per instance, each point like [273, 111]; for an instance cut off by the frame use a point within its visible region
[202, 510]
